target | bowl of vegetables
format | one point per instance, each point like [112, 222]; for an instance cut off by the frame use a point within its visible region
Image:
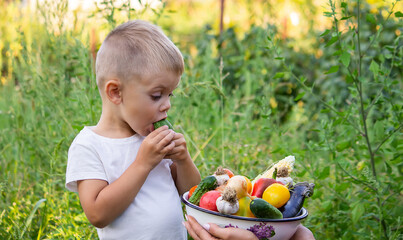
[268, 206]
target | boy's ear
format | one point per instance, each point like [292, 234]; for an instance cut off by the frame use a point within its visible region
[113, 91]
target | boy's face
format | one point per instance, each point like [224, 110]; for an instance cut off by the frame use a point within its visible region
[147, 101]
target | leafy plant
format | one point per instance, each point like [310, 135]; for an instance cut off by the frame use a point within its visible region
[362, 135]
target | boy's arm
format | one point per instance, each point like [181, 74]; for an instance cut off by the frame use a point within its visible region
[185, 175]
[103, 203]
[184, 171]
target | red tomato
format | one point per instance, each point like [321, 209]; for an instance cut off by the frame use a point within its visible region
[208, 200]
[192, 190]
[260, 185]
[229, 172]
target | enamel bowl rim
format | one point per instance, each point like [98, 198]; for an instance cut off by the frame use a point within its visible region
[301, 215]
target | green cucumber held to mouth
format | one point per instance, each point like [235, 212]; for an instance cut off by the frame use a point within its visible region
[162, 123]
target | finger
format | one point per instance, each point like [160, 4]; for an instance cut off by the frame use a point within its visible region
[168, 148]
[157, 131]
[179, 146]
[179, 136]
[165, 138]
[176, 150]
[216, 231]
[231, 233]
[179, 141]
[199, 230]
[191, 231]
[160, 129]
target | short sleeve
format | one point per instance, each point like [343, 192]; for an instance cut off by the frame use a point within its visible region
[169, 161]
[83, 163]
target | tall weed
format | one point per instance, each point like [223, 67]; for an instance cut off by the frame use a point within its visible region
[358, 136]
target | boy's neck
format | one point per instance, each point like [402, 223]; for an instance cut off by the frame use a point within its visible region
[109, 125]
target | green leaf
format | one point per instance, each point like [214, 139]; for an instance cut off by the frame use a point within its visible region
[279, 75]
[379, 129]
[299, 96]
[349, 79]
[345, 18]
[325, 33]
[327, 205]
[345, 59]
[370, 18]
[332, 70]
[332, 40]
[337, 53]
[343, 145]
[341, 187]
[362, 79]
[357, 212]
[388, 167]
[398, 14]
[324, 173]
[374, 68]
[276, 150]
[31, 216]
[343, 5]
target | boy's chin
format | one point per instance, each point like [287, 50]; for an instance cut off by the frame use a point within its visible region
[144, 133]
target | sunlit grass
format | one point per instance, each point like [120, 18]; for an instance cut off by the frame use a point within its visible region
[245, 120]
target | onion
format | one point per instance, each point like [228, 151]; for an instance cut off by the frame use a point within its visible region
[239, 184]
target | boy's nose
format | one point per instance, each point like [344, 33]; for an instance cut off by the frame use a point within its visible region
[166, 106]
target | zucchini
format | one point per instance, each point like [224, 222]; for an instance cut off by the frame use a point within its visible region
[208, 183]
[300, 191]
[162, 123]
[262, 209]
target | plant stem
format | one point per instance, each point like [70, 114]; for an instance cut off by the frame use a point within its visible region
[222, 112]
[364, 122]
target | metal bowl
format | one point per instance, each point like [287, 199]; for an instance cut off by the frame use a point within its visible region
[283, 228]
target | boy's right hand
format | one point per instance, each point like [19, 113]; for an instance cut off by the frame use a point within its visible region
[155, 146]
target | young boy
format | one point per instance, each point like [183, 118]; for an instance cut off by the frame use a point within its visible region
[128, 175]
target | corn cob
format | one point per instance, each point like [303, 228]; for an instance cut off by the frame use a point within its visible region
[287, 162]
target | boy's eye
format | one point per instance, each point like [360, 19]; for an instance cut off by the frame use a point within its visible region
[155, 97]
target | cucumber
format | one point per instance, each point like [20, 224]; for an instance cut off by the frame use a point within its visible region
[208, 183]
[262, 209]
[162, 123]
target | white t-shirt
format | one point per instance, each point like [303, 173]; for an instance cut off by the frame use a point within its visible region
[156, 211]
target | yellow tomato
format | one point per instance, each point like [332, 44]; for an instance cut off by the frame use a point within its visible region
[249, 184]
[276, 194]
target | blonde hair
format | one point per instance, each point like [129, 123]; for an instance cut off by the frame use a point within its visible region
[135, 49]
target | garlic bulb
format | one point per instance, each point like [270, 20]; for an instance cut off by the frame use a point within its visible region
[228, 203]
[221, 176]
[287, 181]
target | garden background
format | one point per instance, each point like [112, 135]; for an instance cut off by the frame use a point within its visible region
[320, 80]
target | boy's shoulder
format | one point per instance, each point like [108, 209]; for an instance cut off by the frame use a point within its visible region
[85, 136]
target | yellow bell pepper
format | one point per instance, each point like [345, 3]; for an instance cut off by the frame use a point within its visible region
[244, 209]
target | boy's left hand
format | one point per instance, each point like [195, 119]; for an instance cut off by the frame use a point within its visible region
[179, 153]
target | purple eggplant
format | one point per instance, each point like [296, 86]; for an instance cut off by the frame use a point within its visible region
[300, 191]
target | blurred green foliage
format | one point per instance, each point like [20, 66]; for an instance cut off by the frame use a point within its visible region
[257, 98]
